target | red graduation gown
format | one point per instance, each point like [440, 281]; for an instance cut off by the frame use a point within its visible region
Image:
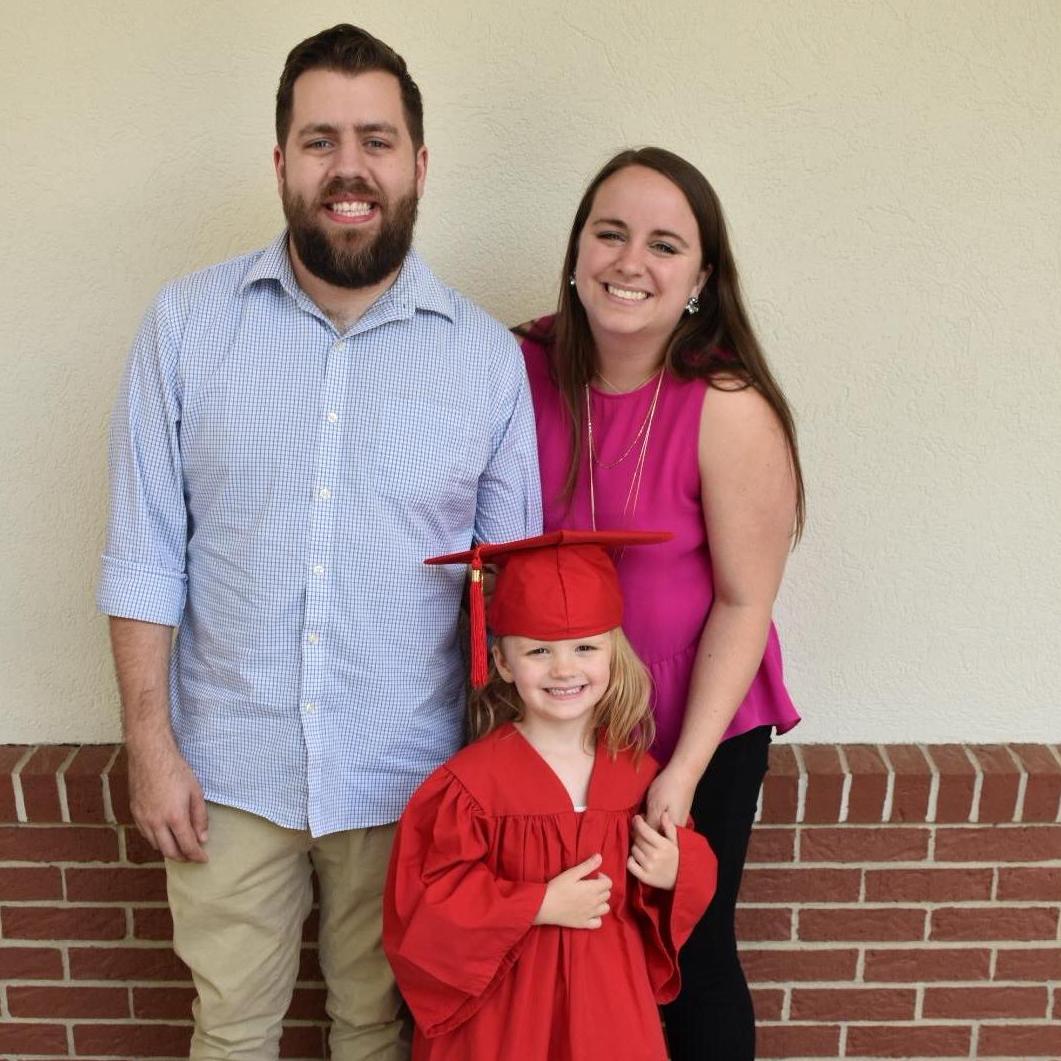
[472, 854]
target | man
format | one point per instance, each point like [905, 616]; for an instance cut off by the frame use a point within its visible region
[296, 430]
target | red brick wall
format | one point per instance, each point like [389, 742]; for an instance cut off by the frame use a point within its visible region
[899, 902]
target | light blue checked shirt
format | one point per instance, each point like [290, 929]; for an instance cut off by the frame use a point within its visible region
[275, 487]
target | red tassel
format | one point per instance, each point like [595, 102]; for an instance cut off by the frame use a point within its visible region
[477, 608]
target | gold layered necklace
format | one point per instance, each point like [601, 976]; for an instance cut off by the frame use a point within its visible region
[629, 390]
[643, 434]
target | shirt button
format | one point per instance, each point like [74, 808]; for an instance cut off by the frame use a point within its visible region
[333, 417]
[318, 569]
[310, 708]
[324, 493]
[313, 637]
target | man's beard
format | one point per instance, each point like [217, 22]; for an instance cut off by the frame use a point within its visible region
[351, 258]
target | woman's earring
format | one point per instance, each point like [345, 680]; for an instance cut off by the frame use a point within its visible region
[571, 280]
[693, 305]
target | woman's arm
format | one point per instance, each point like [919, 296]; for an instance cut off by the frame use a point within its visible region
[749, 499]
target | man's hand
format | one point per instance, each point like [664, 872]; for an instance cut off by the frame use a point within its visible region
[489, 580]
[654, 855]
[166, 799]
[574, 899]
[167, 802]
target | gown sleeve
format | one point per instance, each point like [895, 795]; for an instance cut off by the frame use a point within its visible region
[668, 917]
[451, 928]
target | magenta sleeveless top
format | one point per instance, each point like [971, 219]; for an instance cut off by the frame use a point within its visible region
[668, 588]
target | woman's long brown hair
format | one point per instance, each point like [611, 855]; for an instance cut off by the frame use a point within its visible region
[717, 344]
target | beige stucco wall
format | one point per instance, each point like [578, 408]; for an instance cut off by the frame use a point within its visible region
[892, 176]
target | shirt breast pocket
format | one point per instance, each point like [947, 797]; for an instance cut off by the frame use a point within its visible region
[431, 466]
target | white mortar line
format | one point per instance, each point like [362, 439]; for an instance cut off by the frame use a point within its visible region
[95, 904]
[758, 805]
[856, 1022]
[105, 782]
[978, 784]
[60, 784]
[1022, 784]
[889, 791]
[905, 863]
[1057, 757]
[16, 784]
[845, 791]
[818, 944]
[801, 784]
[781, 985]
[933, 787]
[777, 904]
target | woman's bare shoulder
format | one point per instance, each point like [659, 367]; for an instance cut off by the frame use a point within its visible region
[731, 405]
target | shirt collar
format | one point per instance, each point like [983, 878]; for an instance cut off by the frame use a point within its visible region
[416, 287]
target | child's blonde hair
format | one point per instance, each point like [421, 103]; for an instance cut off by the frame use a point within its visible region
[622, 717]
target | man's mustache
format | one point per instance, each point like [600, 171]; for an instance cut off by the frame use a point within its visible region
[356, 186]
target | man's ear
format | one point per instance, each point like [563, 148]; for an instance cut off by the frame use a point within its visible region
[278, 165]
[421, 171]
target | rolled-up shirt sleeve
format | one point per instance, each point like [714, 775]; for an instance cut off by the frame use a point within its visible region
[143, 572]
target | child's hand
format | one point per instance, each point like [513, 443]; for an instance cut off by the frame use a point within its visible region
[654, 856]
[574, 899]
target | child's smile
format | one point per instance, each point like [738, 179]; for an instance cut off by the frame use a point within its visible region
[558, 681]
[564, 694]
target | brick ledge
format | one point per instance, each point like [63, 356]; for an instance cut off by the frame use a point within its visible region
[808, 784]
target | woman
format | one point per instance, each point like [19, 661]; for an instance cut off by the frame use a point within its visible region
[656, 409]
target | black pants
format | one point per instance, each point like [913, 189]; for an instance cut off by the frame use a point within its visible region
[712, 1019]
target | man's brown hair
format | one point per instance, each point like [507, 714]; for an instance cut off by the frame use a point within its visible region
[347, 50]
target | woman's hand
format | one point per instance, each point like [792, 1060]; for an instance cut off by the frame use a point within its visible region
[672, 791]
[654, 855]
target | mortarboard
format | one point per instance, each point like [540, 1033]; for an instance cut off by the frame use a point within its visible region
[551, 587]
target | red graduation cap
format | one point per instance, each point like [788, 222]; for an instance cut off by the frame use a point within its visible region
[551, 587]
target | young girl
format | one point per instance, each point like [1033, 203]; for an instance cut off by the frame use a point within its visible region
[530, 912]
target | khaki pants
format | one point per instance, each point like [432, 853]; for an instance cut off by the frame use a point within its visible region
[237, 923]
